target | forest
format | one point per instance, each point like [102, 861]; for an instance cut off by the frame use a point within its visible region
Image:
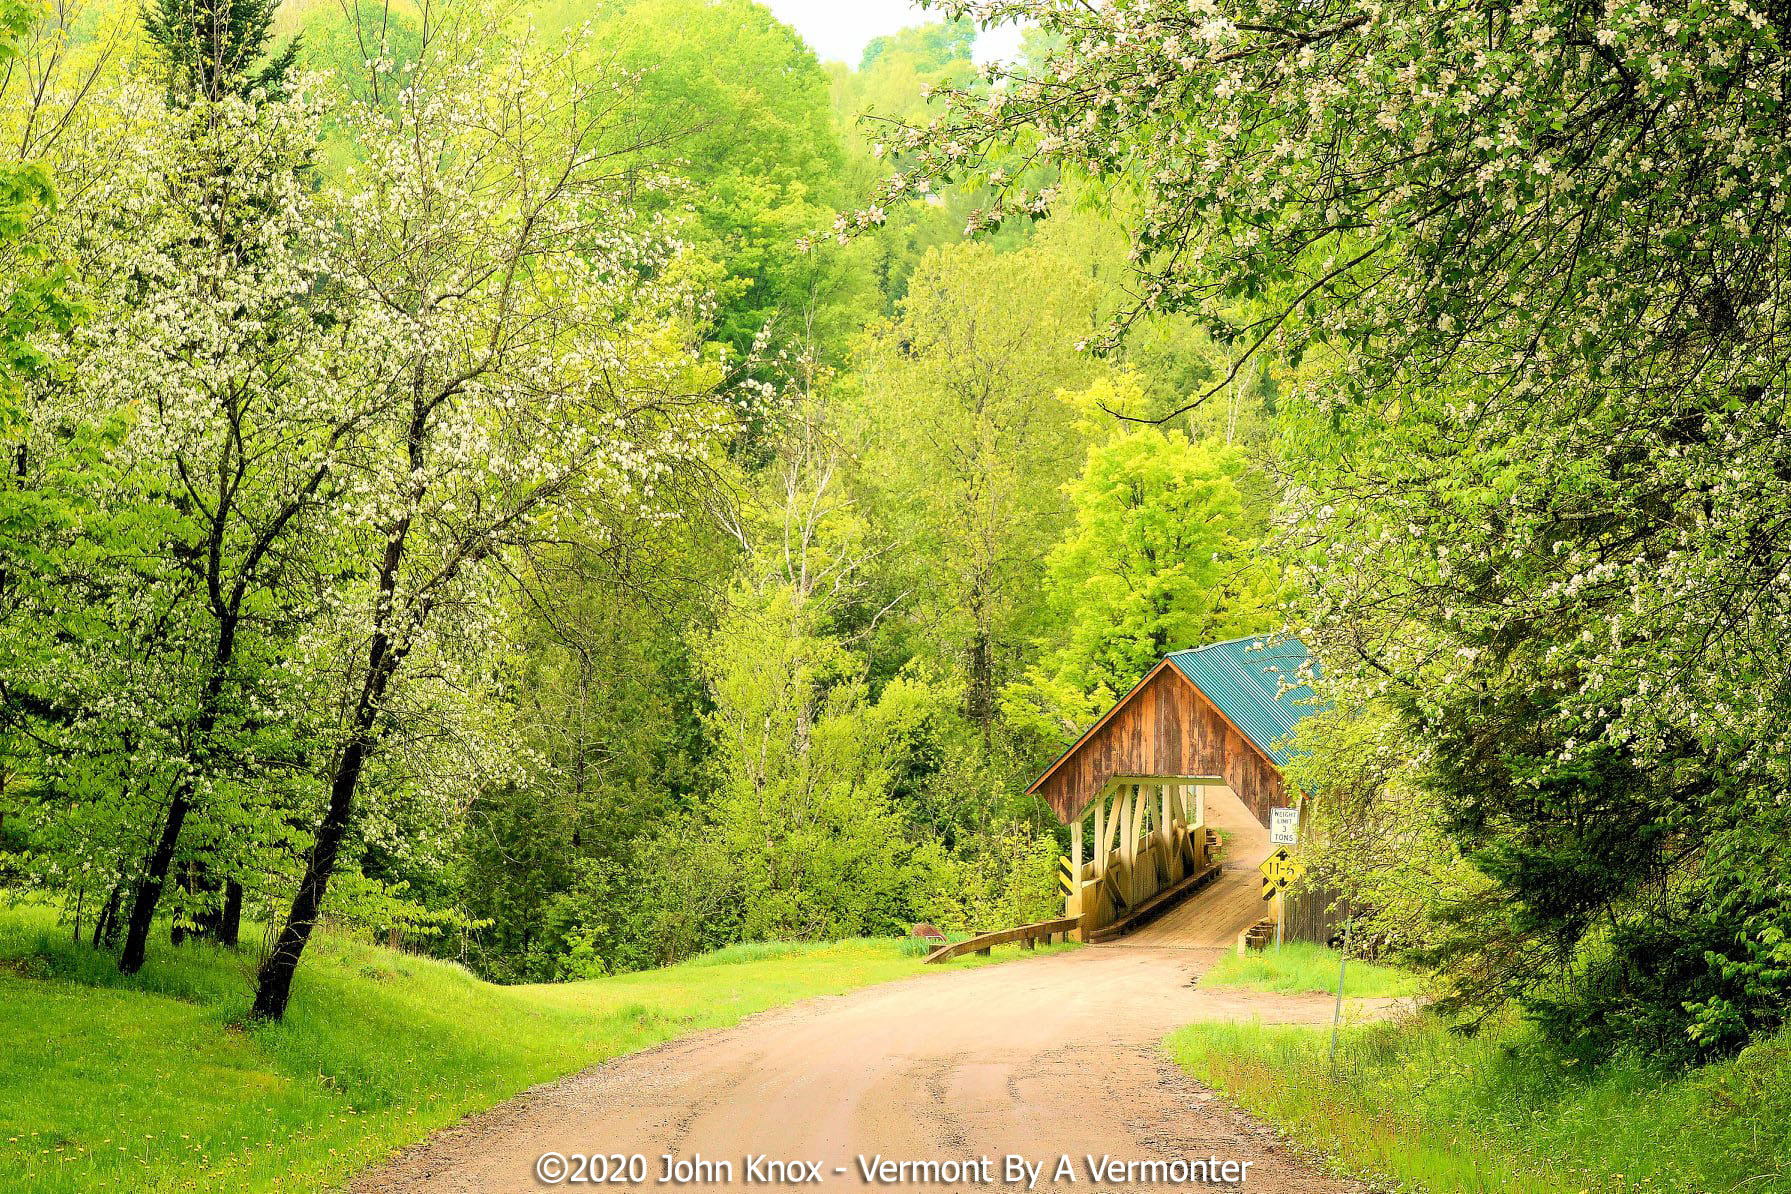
[565, 487]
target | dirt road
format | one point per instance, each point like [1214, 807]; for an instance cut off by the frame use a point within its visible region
[1047, 1057]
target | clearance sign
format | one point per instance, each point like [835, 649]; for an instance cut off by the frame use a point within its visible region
[1278, 871]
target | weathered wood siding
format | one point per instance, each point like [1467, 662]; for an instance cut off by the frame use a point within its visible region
[1165, 727]
[1311, 917]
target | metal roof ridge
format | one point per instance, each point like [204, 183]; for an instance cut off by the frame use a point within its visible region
[1226, 642]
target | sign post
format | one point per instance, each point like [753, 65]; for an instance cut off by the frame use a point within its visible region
[1278, 870]
[1284, 830]
[1337, 1008]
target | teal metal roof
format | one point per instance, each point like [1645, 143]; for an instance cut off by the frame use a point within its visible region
[1244, 678]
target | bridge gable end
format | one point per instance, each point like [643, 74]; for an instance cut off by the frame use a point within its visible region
[1164, 726]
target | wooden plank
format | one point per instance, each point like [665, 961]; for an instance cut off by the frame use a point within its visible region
[1076, 856]
[1116, 883]
[1090, 734]
[984, 942]
[1112, 827]
[1100, 837]
[1155, 906]
[1141, 885]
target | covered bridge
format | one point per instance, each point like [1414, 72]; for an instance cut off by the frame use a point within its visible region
[1194, 751]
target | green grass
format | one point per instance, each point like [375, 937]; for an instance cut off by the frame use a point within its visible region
[1439, 1112]
[1299, 967]
[150, 1084]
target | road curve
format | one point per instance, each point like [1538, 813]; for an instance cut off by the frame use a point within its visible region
[1055, 1055]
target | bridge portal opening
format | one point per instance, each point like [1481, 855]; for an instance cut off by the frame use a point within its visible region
[1185, 765]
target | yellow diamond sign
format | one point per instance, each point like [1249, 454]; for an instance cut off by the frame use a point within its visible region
[1278, 870]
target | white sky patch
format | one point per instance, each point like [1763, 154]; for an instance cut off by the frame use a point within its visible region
[839, 29]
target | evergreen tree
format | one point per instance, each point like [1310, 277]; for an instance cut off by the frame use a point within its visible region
[212, 47]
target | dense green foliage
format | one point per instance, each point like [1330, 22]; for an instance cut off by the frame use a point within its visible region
[546, 550]
[1159, 552]
[1529, 263]
[734, 101]
[211, 48]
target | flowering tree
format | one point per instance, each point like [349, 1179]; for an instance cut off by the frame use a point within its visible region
[193, 374]
[187, 228]
[217, 348]
[1384, 167]
[1543, 488]
[526, 341]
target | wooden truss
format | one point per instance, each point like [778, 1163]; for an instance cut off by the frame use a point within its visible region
[1148, 836]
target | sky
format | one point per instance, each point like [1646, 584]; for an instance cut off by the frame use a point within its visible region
[839, 29]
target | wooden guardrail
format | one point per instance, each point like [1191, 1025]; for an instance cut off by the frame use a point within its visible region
[984, 942]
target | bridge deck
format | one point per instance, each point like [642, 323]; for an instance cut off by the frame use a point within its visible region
[1218, 912]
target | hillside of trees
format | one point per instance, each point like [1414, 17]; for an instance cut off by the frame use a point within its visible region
[554, 550]
[564, 487]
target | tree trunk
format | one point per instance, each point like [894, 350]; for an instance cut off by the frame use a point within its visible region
[105, 928]
[177, 932]
[981, 689]
[149, 887]
[273, 986]
[231, 923]
[209, 920]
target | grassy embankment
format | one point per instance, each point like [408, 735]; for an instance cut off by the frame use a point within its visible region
[1500, 1111]
[151, 1084]
[1300, 967]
